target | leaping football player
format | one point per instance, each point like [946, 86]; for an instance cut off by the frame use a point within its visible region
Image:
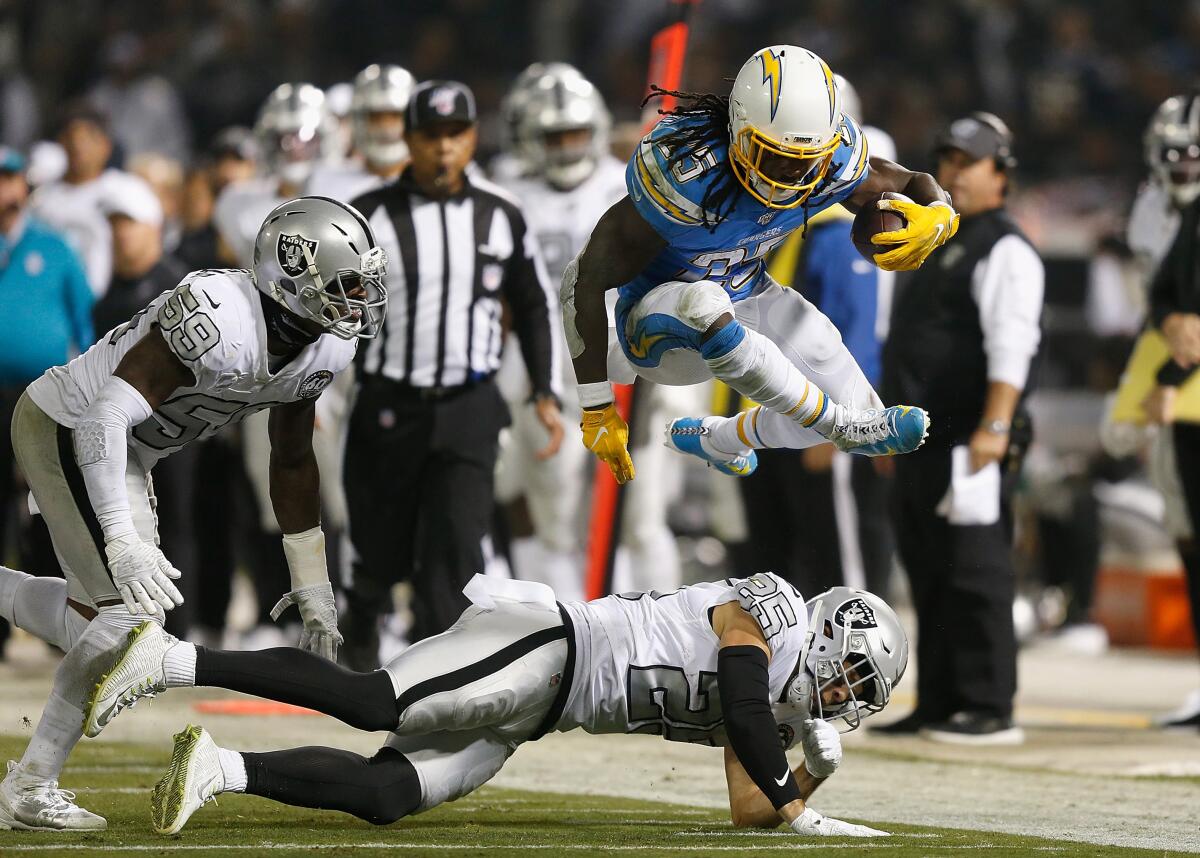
[713, 188]
[222, 345]
[745, 664]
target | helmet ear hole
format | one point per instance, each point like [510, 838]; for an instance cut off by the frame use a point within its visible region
[288, 285]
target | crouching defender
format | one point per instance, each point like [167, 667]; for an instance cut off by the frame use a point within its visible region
[744, 663]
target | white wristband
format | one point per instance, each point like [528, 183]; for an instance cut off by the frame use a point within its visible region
[305, 553]
[595, 393]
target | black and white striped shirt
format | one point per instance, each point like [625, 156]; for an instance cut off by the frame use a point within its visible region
[452, 266]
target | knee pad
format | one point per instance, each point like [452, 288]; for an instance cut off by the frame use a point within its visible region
[396, 788]
[702, 303]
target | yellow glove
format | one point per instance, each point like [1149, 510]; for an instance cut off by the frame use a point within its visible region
[606, 435]
[928, 228]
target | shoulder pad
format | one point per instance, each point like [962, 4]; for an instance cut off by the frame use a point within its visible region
[668, 193]
[775, 604]
[204, 319]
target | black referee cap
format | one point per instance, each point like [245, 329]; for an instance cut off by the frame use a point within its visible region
[440, 101]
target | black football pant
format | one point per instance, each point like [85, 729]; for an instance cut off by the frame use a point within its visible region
[1187, 460]
[963, 585]
[419, 489]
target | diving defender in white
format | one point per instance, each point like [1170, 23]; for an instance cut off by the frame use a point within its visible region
[220, 346]
[743, 663]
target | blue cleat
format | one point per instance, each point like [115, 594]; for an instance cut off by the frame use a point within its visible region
[686, 435]
[899, 429]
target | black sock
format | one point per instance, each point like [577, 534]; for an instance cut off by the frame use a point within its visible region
[363, 700]
[379, 790]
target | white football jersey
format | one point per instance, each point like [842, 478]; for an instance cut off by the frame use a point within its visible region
[561, 222]
[1153, 222]
[342, 182]
[214, 324]
[239, 214]
[647, 662]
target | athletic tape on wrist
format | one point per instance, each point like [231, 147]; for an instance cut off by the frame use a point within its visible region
[595, 393]
[305, 553]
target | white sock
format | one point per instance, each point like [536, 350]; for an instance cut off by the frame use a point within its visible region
[233, 768]
[757, 369]
[179, 665]
[39, 606]
[58, 731]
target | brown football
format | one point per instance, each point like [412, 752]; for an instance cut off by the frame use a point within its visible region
[871, 221]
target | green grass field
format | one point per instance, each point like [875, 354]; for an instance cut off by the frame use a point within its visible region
[115, 780]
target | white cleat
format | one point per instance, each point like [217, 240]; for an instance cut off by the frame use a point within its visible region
[41, 806]
[193, 779]
[137, 673]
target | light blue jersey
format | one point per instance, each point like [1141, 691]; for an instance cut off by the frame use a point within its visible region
[732, 254]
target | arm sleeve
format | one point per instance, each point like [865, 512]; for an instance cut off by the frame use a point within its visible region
[101, 449]
[80, 299]
[749, 725]
[535, 312]
[1008, 286]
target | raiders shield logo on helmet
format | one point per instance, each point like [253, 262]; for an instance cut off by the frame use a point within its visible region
[290, 252]
[855, 614]
[312, 386]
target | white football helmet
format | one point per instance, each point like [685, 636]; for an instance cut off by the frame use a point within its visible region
[855, 638]
[512, 110]
[848, 96]
[563, 100]
[1172, 143]
[380, 89]
[785, 119]
[318, 258]
[295, 131]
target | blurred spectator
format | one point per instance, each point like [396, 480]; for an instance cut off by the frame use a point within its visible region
[19, 114]
[72, 204]
[232, 158]
[145, 111]
[165, 177]
[47, 321]
[965, 329]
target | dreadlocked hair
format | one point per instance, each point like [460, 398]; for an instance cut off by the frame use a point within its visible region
[723, 193]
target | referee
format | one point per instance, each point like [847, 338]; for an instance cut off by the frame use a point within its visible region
[422, 438]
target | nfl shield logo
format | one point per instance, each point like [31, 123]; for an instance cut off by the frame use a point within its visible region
[290, 252]
[766, 218]
[442, 100]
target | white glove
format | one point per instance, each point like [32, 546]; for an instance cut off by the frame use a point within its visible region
[319, 613]
[822, 747]
[812, 824]
[143, 576]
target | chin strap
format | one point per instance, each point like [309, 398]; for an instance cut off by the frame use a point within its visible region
[283, 324]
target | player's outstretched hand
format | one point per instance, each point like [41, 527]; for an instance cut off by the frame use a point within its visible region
[606, 435]
[927, 228]
[822, 747]
[812, 824]
[143, 576]
[319, 612]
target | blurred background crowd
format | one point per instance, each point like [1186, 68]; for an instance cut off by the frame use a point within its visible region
[156, 103]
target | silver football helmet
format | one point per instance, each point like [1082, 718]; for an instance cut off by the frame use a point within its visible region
[318, 258]
[1172, 143]
[377, 89]
[295, 131]
[561, 100]
[854, 638]
[848, 96]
